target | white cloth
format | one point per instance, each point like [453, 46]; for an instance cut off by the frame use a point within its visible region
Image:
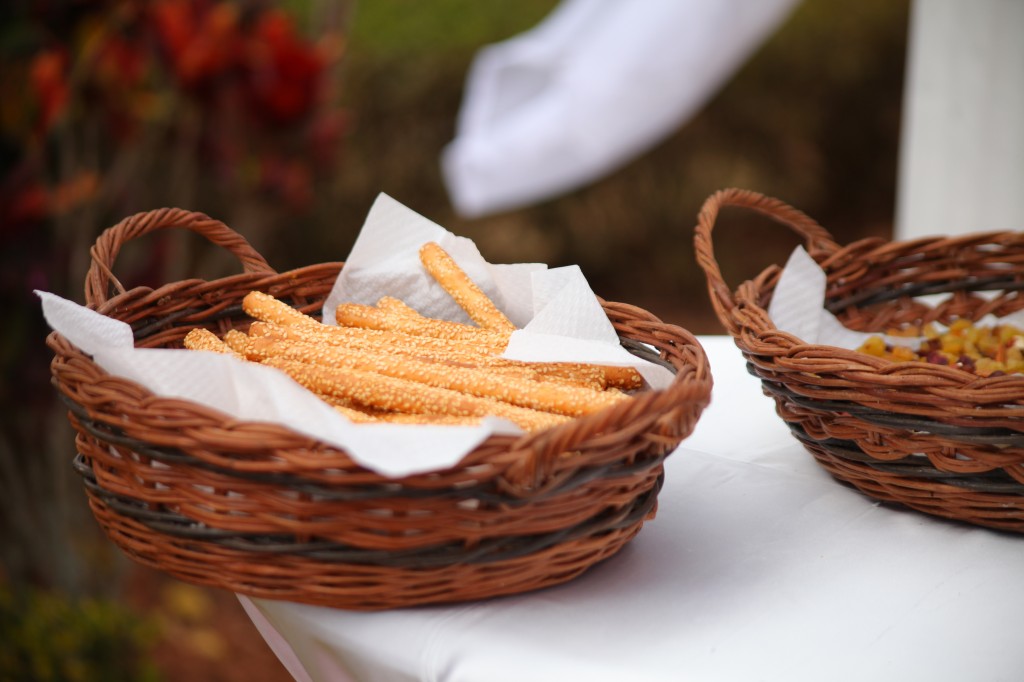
[758, 566]
[592, 86]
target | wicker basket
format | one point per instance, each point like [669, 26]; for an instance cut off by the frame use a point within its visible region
[261, 510]
[938, 439]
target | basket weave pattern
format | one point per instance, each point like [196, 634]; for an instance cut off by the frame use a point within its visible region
[264, 511]
[934, 438]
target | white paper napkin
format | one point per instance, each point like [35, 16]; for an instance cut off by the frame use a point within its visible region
[562, 318]
[798, 307]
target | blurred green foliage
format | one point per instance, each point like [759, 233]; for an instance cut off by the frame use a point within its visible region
[112, 107]
[400, 28]
[47, 637]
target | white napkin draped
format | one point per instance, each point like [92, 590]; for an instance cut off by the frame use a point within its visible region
[592, 86]
[798, 308]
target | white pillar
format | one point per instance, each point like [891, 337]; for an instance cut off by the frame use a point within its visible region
[962, 144]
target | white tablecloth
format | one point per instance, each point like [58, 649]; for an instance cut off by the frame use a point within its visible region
[758, 567]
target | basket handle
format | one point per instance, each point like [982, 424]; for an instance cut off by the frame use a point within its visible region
[100, 280]
[816, 237]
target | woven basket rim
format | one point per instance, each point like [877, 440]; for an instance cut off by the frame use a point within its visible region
[701, 383]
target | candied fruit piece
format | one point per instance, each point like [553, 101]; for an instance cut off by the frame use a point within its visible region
[903, 353]
[960, 326]
[987, 367]
[952, 344]
[874, 345]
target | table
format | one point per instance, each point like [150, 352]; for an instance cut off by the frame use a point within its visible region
[759, 566]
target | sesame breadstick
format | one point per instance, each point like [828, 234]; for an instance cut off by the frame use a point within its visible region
[515, 390]
[624, 377]
[456, 353]
[384, 340]
[354, 415]
[238, 342]
[446, 351]
[396, 305]
[397, 395]
[269, 309]
[426, 419]
[451, 336]
[203, 339]
[368, 317]
[242, 345]
[370, 416]
[470, 297]
[391, 344]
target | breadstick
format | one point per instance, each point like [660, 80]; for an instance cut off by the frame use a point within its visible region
[600, 377]
[614, 376]
[368, 317]
[368, 416]
[354, 415]
[237, 342]
[397, 395]
[203, 339]
[426, 419]
[395, 305]
[429, 349]
[455, 353]
[515, 390]
[384, 340]
[470, 297]
[269, 309]
[395, 335]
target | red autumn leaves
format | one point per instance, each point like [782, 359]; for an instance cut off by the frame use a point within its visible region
[235, 83]
[206, 43]
[204, 46]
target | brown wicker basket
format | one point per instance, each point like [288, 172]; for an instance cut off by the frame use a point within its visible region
[261, 510]
[935, 438]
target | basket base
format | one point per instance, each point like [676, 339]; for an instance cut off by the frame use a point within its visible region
[352, 586]
[952, 502]
[991, 499]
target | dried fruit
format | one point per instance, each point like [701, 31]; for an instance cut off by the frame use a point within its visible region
[992, 350]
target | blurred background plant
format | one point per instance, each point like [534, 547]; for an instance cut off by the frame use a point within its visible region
[50, 638]
[107, 108]
[285, 119]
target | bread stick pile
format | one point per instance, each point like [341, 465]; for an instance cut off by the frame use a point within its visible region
[389, 363]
